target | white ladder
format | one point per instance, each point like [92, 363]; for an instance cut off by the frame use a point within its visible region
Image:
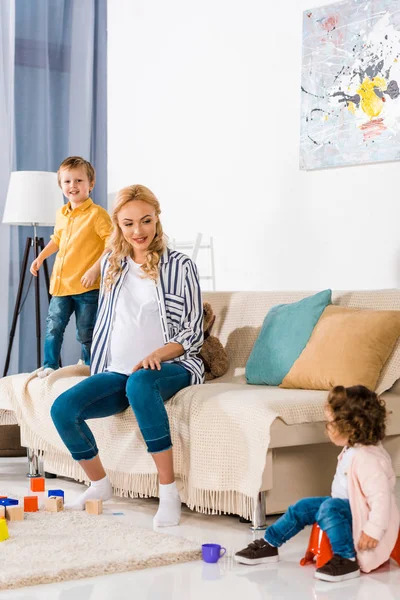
[192, 248]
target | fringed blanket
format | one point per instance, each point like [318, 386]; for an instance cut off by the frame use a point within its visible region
[220, 433]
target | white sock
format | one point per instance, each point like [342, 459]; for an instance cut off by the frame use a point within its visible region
[98, 490]
[46, 371]
[169, 509]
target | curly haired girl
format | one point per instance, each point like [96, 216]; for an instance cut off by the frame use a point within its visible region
[360, 518]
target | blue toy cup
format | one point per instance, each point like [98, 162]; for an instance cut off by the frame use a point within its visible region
[212, 552]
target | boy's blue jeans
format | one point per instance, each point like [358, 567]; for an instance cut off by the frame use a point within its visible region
[60, 310]
[109, 393]
[333, 516]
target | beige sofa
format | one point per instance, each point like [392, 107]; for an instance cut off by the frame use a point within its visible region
[300, 460]
[10, 442]
[241, 449]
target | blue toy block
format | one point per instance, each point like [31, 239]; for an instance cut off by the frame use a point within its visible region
[8, 502]
[56, 493]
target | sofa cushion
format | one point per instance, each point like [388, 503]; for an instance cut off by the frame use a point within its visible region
[283, 336]
[347, 347]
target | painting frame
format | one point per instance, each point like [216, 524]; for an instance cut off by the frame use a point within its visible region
[350, 85]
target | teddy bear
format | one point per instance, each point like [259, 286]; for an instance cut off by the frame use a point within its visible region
[213, 353]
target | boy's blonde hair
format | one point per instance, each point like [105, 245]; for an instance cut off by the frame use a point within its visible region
[120, 248]
[72, 162]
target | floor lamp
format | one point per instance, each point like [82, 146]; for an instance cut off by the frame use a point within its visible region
[33, 199]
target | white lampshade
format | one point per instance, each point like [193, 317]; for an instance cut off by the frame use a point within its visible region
[33, 197]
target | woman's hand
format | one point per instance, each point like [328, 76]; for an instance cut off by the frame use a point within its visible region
[35, 266]
[152, 361]
[90, 277]
[366, 542]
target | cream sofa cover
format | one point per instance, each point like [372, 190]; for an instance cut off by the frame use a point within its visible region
[231, 440]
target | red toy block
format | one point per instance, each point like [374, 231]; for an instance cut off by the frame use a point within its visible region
[37, 484]
[31, 504]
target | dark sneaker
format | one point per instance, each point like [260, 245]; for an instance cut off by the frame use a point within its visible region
[338, 569]
[257, 553]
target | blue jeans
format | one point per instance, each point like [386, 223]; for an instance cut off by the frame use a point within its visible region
[60, 310]
[109, 393]
[333, 516]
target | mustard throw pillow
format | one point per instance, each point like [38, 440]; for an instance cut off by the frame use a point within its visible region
[347, 347]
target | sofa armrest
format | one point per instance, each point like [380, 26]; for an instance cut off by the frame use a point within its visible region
[10, 441]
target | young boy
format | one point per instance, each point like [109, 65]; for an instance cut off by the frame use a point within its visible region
[80, 236]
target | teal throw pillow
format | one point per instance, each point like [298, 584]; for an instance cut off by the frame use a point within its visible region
[283, 337]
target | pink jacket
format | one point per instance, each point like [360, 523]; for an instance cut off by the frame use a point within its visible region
[371, 482]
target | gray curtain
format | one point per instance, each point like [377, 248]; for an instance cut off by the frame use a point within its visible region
[8, 259]
[60, 106]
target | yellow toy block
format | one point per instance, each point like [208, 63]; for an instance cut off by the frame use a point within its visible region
[94, 507]
[15, 513]
[3, 530]
[54, 504]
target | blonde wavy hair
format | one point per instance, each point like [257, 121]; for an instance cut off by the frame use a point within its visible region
[120, 248]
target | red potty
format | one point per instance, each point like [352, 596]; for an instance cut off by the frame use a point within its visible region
[396, 550]
[319, 547]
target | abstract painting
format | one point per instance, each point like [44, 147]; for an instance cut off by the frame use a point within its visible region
[350, 108]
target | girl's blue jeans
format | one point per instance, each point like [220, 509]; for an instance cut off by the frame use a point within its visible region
[60, 310]
[109, 393]
[333, 516]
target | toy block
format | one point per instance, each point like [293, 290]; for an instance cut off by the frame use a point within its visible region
[31, 504]
[37, 484]
[3, 497]
[94, 507]
[56, 493]
[3, 530]
[2, 512]
[8, 502]
[54, 504]
[15, 513]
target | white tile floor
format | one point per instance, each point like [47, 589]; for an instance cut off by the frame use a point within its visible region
[285, 580]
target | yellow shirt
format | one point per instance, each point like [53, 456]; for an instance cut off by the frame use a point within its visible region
[81, 235]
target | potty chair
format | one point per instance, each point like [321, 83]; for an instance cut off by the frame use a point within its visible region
[319, 548]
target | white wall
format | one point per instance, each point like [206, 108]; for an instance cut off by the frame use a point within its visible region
[204, 108]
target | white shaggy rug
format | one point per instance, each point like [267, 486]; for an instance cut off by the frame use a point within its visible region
[49, 547]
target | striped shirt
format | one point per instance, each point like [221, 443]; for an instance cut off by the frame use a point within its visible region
[180, 308]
